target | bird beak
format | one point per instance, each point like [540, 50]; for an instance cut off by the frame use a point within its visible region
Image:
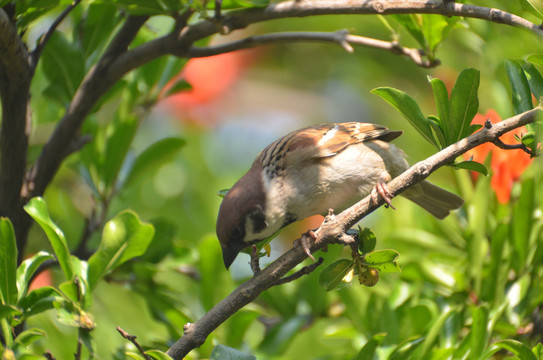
[229, 253]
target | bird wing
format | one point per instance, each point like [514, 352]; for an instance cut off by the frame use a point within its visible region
[321, 141]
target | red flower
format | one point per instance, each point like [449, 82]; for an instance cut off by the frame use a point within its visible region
[507, 165]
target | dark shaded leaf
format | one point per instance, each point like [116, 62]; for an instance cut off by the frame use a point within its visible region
[473, 166]
[332, 275]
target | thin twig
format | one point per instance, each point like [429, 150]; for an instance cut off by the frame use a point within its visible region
[505, 146]
[36, 53]
[333, 228]
[341, 37]
[132, 339]
[303, 271]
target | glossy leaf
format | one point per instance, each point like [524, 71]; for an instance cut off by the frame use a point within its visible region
[520, 88]
[123, 238]
[473, 166]
[464, 103]
[8, 263]
[409, 108]
[383, 260]
[26, 270]
[222, 352]
[37, 209]
[332, 275]
[366, 240]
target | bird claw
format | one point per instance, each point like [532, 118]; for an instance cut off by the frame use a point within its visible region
[306, 241]
[381, 189]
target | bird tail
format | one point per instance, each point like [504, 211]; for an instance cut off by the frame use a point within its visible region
[437, 201]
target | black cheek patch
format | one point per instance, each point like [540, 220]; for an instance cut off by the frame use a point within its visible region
[258, 220]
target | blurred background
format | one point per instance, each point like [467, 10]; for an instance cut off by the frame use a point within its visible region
[234, 105]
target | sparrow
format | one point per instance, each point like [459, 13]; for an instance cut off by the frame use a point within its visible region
[312, 170]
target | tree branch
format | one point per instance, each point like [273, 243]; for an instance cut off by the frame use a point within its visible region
[36, 53]
[333, 228]
[341, 37]
[14, 94]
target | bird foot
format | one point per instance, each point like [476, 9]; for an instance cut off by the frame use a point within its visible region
[306, 241]
[381, 189]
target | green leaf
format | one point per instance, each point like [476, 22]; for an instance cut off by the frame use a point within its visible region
[100, 21]
[39, 300]
[124, 237]
[528, 6]
[409, 109]
[120, 133]
[135, 356]
[534, 79]
[478, 334]
[383, 260]
[520, 88]
[63, 64]
[366, 240]
[8, 263]
[441, 97]
[154, 156]
[27, 337]
[8, 311]
[520, 228]
[26, 270]
[222, 352]
[409, 22]
[473, 166]
[28, 11]
[464, 104]
[332, 275]
[517, 348]
[281, 336]
[433, 333]
[404, 349]
[222, 193]
[538, 351]
[368, 350]
[434, 30]
[37, 209]
[178, 86]
[158, 355]
[435, 124]
[535, 59]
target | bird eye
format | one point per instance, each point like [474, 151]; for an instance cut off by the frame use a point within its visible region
[237, 233]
